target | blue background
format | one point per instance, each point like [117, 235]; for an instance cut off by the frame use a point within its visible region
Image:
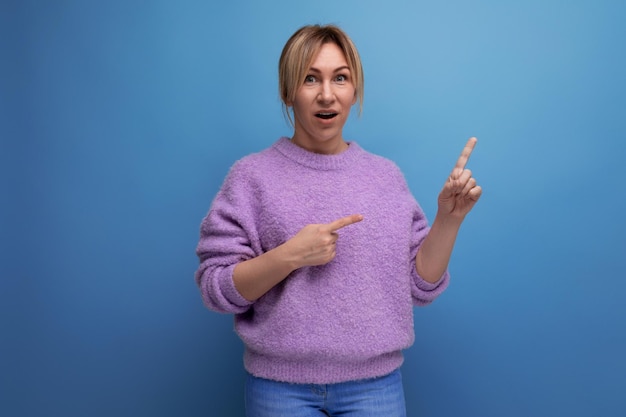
[120, 119]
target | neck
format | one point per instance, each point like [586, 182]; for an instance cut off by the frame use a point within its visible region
[328, 147]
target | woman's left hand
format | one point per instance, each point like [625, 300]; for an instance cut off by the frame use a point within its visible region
[460, 192]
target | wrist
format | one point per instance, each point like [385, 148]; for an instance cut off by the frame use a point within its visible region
[447, 220]
[285, 256]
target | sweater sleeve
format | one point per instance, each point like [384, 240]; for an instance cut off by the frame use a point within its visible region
[422, 291]
[227, 236]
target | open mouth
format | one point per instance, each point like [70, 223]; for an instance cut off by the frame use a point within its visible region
[325, 116]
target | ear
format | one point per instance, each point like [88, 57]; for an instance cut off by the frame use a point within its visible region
[354, 98]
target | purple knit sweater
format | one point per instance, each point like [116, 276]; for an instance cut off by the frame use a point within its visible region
[347, 320]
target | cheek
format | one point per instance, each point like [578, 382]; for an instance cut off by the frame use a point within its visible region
[302, 101]
[349, 96]
[299, 109]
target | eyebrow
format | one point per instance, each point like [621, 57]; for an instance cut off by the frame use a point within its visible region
[342, 68]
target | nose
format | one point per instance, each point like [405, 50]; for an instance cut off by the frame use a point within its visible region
[326, 93]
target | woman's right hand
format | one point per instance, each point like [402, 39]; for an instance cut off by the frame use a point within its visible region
[315, 244]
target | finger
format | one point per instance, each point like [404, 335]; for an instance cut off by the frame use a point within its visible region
[345, 221]
[458, 184]
[475, 193]
[465, 154]
[471, 184]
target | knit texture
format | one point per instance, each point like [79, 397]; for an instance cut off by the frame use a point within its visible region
[347, 320]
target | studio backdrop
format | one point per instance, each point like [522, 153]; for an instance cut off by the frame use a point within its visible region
[120, 119]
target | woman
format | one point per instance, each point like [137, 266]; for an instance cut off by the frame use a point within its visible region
[320, 250]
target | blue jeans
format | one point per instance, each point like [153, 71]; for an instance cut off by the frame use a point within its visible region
[377, 397]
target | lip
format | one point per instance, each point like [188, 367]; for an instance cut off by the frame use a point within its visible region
[326, 111]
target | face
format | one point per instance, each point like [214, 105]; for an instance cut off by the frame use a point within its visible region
[322, 103]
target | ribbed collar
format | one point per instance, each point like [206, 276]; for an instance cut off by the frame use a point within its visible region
[316, 160]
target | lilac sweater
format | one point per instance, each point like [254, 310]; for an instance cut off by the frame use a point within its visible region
[347, 320]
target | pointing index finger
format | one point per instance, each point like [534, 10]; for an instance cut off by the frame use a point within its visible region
[465, 154]
[345, 221]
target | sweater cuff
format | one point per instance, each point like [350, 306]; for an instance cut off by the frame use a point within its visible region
[422, 284]
[425, 292]
[229, 290]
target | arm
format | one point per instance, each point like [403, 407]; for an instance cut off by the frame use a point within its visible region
[434, 254]
[256, 276]
[456, 199]
[315, 244]
[234, 269]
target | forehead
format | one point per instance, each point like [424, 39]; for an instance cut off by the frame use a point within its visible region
[329, 56]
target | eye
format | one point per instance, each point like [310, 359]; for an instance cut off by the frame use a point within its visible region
[310, 79]
[341, 78]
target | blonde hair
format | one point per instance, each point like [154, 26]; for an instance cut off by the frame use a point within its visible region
[299, 52]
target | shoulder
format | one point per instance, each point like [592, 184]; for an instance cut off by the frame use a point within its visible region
[379, 163]
[254, 164]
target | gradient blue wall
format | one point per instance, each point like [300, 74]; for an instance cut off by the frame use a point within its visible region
[120, 119]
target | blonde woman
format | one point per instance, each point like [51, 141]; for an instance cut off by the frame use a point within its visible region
[320, 250]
